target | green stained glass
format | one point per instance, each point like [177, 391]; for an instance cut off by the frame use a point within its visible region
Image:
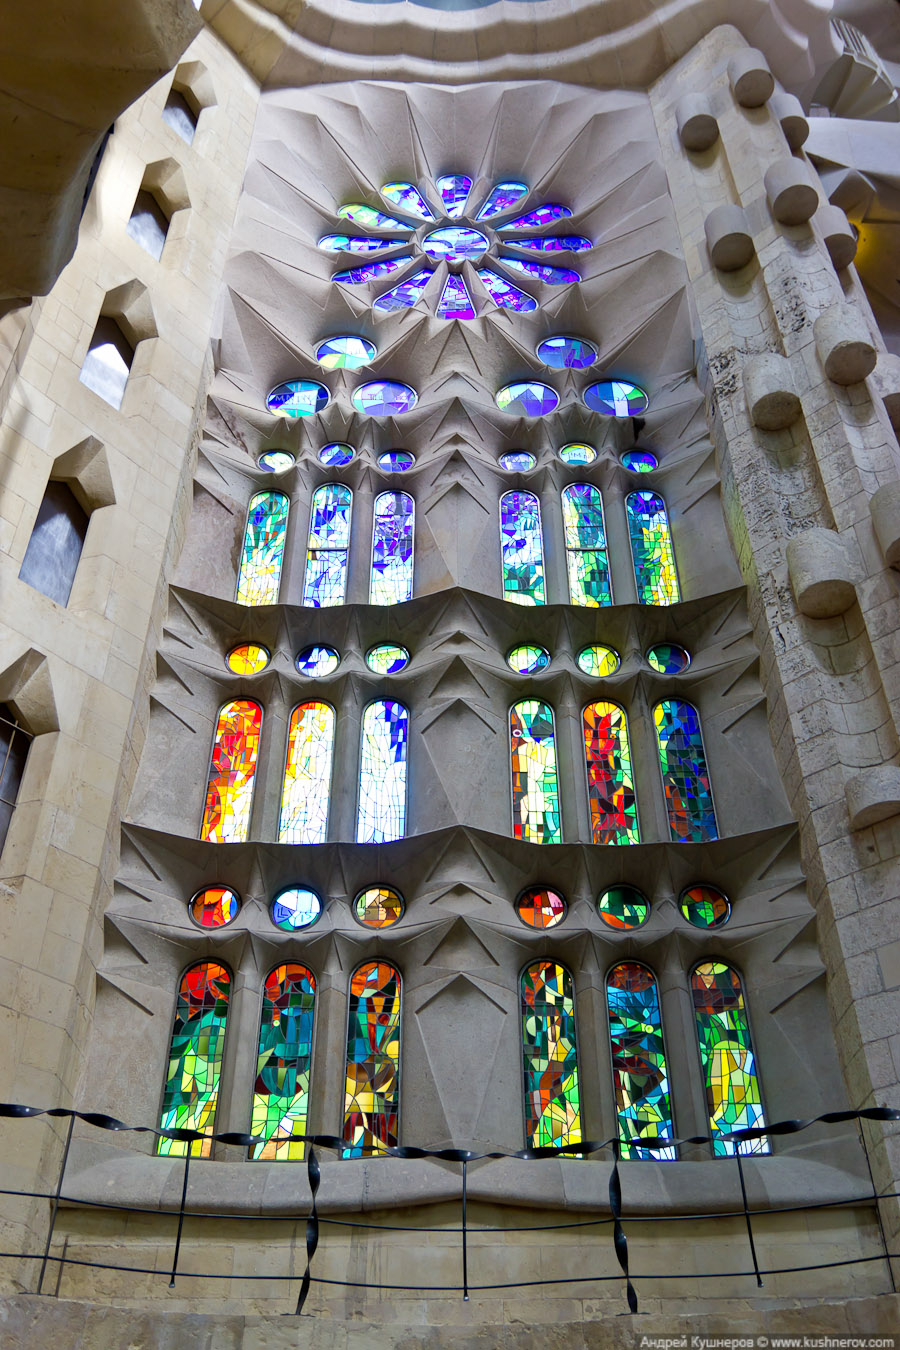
[651, 549]
[372, 1098]
[598, 661]
[726, 1055]
[668, 659]
[640, 1076]
[705, 906]
[522, 548]
[281, 1092]
[329, 546]
[623, 907]
[586, 555]
[387, 658]
[535, 788]
[195, 1058]
[528, 659]
[552, 1096]
[259, 574]
[686, 783]
[577, 453]
[276, 461]
[610, 779]
[307, 775]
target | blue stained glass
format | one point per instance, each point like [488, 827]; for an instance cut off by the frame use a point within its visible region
[361, 276]
[454, 189]
[541, 215]
[276, 461]
[297, 398]
[616, 398]
[392, 549]
[517, 461]
[567, 353]
[502, 198]
[668, 659]
[554, 276]
[554, 243]
[368, 217]
[522, 548]
[455, 243]
[685, 775]
[345, 353]
[406, 294]
[384, 398]
[586, 554]
[504, 293]
[396, 461]
[640, 461]
[345, 243]
[651, 549]
[317, 661]
[408, 198]
[387, 658]
[336, 454]
[577, 453]
[329, 545]
[527, 398]
[295, 908]
[381, 814]
[455, 302]
[640, 1074]
[262, 553]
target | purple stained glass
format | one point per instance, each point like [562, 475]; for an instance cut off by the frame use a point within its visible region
[454, 189]
[454, 302]
[527, 398]
[384, 398]
[541, 215]
[369, 218]
[554, 276]
[640, 461]
[616, 398]
[396, 461]
[408, 198]
[567, 353]
[455, 243]
[406, 294]
[504, 293]
[555, 243]
[502, 198]
[297, 398]
[344, 243]
[361, 276]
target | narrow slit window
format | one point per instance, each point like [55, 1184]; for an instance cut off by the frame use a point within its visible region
[682, 759]
[726, 1054]
[54, 549]
[259, 575]
[329, 546]
[381, 814]
[522, 548]
[148, 224]
[640, 1076]
[284, 1063]
[372, 1097]
[607, 756]
[195, 1058]
[586, 549]
[552, 1096]
[180, 115]
[232, 770]
[108, 362]
[14, 745]
[651, 549]
[392, 549]
[535, 787]
[307, 775]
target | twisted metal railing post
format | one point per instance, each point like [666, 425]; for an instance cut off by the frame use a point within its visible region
[737, 1154]
[184, 1186]
[465, 1234]
[55, 1207]
[312, 1225]
[620, 1242]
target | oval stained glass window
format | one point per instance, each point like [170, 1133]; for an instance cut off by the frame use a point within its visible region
[705, 906]
[616, 398]
[455, 243]
[336, 455]
[623, 907]
[297, 398]
[295, 908]
[387, 658]
[598, 661]
[528, 659]
[540, 908]
[384, 398]
[517, 461]
[667, 658]
[396, 461]
[248, 659]
[215, 907]
[567, 353]
[345, 353]
[315, 662]
[640, 461]
[276, 461]
[577, 453]
[527, 398]
[379, 907]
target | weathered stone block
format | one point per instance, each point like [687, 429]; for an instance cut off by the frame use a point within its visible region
[771, 394]
[697, 125]
[837, 234]
[873, 795]
[885, 508]
[750, 77]
[844, 344]
[885, 382]
[789, 111]
[792, 195]
[728, 237]
[821, 573]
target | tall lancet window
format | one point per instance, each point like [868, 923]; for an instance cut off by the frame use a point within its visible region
[329, 546]
[381, 813]
[682, 759]
[372, 1098]
[535, 787]
[259, 575]
[552, 1097]
[651, 549]
[640, 1077]
[232, 771]
[522, 548]
[610, 781]
[726, 1054]
[392, 549]
[195, 1058]
[307, 775]
[586, 553]
[281, 1091]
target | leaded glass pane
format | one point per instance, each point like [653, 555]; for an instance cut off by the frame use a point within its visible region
[232, 769]
[726, 1054]
[284, 1061]
[640, 1076]
[651, 549]
[686, 785]
[381, 814]
[329, 546]
[586, 554]
[307, 775]
[195, 1058]
[392, 549]
[552, 1097]
[535, 789]
[610, 780]
[522, 548]
[261, 557]
[372, 1099]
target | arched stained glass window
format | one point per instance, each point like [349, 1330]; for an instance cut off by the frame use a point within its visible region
[195, 1058]
[552, 1097]
[640, 1077]
[682, 759]
[281, 1091]
[586, 554]
[381, 814]
[651, 549]
[232, 769]
[726, 1056]
[329, 546]
[259, 575]
[307, 775]
[392, 549]
[535, 789]
[610, 780]
[522, 548]
[372, 1100]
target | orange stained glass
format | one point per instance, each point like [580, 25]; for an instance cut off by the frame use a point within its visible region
[229, 793]
[215, 907]
[372, 1101]
[248, 659]
[379, 907]
[610, 780]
